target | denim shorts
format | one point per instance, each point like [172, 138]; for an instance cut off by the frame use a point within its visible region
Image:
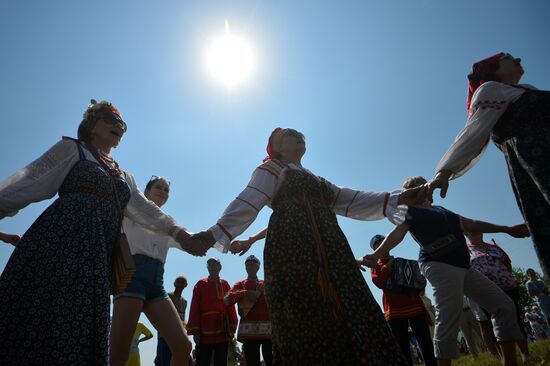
[147, 282]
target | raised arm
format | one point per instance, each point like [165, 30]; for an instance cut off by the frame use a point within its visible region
[9, 238]
[38, 181]
[395, 237]
[488, 104]
[242, 212]
[363, 205]
[478, 226]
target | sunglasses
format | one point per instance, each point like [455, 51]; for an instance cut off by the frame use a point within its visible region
[113, 121]
[158, 177]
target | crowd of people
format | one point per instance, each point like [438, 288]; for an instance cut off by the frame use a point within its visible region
[314, 306]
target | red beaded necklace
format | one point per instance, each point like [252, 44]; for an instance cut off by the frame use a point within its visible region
[107, 162]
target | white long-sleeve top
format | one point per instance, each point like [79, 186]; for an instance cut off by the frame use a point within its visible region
[488, 104]
[259, 192]
[147, 242]
[42, 179]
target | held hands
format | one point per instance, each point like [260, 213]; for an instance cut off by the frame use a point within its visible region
[415, 196]
[197, 244]
[10, 238]
[518, 231]
[441, 180]
[368, 261]
[203, 241]
[360, 264]
[241, 246]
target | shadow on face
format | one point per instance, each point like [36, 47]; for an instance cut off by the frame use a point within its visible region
[252, 268]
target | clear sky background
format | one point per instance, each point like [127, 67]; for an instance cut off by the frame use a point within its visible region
[377, 87]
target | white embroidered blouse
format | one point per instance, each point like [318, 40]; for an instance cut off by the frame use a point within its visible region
[259, 192]
[42, 179]
[488, 104]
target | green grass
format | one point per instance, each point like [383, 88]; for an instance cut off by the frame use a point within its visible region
[539, 356]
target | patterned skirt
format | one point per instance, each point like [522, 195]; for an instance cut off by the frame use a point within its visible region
[322, 310]
[527, 153]
[54, 290]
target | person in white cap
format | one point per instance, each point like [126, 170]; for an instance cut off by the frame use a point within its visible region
[255, 326]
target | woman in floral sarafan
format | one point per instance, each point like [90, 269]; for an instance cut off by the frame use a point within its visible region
[322, 310]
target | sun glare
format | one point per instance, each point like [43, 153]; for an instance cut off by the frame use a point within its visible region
[230, 59]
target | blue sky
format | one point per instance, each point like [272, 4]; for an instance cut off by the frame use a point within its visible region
[377, 87]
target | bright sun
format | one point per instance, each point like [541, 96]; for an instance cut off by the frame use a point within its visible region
[230, 59]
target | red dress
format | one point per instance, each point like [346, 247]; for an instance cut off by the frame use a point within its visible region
[255, 321]
[209, 317]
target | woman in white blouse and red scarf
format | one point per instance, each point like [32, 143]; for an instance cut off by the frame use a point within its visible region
[517, 118]
[322, 310]
[54, 290]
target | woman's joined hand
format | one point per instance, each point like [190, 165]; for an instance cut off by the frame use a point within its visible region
[415, 196]
[10, 238]
[518, 231]
[241, 246]
[441, 181]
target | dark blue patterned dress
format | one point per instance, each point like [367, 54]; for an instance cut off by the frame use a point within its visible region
[322, 310]
[523, 135]
[54, 291]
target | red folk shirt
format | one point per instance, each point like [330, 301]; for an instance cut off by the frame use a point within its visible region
[255, 321]
[209, 317]
[396, 304]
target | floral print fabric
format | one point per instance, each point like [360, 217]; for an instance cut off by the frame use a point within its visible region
[322, 310]
[54, 291]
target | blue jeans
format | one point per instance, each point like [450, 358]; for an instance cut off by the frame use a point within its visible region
[147, 283]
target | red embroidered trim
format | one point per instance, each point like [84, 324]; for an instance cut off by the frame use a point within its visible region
[353, 199]
[225, 231]
[336, 198]
[259, 190]
[248, 203]
[269, 171]
[492, 104]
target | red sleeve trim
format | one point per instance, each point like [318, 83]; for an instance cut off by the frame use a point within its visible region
[259, 190]
[353, 199]
[225, 231]
[269, 171]
[248, 203]
[336, 198]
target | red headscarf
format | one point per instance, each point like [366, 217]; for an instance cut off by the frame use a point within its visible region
[271, 154]
[482, 71]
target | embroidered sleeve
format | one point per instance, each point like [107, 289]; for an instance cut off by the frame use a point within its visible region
[363, 205]
[146, 213]
[488, 105]
[38, 181]
[244, 209]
